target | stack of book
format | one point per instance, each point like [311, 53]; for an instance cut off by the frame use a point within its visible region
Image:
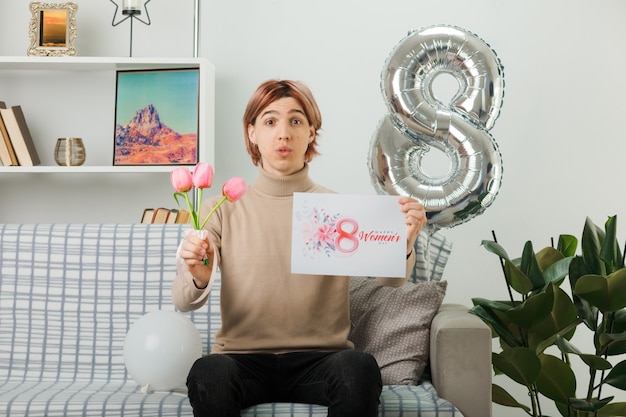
[163, 215]
[16, 144]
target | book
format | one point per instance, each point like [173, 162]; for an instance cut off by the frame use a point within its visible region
[164, 215]
[147, 215]
[19, 134]
[183, 216]
[172, 216]
[7, 154]
[160, 215]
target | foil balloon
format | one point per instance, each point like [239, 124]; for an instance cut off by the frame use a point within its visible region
[470, 185]
[419, 122]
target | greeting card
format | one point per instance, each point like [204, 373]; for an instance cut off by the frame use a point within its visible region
[354, 235]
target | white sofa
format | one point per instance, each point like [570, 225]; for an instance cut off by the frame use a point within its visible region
[69, 293]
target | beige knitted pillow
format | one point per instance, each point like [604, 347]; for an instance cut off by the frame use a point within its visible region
[393, 324]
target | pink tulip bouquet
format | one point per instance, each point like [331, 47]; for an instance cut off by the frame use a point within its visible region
[184, 181]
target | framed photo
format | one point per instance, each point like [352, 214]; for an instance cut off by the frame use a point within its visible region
[52, 29]
[156, 117]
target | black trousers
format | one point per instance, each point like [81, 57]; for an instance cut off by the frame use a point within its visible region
[347, 382]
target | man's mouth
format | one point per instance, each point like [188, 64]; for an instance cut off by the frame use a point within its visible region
[283, 151]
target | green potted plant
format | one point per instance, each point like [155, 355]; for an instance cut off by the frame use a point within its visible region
[535, 327]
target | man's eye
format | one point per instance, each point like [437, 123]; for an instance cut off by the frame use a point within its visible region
[269, 122]
[296, 121]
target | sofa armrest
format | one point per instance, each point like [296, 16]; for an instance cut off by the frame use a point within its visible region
[460, 360]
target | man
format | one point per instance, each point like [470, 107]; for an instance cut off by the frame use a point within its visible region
[284, 337]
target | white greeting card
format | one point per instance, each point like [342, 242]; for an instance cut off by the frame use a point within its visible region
[354, 235]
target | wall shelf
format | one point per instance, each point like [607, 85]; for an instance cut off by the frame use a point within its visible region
[75, 97]
[41, 169]
[95, 63]
[83, 79]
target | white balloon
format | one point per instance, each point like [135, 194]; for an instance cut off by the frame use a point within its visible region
[160, 348]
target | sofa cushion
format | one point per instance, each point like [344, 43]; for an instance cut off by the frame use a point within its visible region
[395, 401]
[98, 398]
[393, 324]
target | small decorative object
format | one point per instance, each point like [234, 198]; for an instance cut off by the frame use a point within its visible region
[132, 11]
[159, 350]
[69, 152]
[156, 117]
[52, 29]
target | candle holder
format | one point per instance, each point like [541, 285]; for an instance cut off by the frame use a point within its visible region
[69, 152]
[131, 10]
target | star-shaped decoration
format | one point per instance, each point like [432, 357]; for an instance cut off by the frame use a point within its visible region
[135, 15]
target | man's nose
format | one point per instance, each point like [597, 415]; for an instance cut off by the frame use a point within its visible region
[284, 131]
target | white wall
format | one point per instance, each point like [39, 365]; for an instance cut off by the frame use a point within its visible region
[559, 132]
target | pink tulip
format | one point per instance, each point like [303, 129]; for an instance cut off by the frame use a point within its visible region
[234, 189]
[203, 175]
[181, 179]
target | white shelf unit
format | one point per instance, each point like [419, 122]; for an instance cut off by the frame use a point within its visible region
[75, 97]
[55, 91]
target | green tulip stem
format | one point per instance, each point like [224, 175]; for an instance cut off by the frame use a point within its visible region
[206, 219]
[194, 212]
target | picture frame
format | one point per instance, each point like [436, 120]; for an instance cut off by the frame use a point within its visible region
[157, 117]
[52, 29]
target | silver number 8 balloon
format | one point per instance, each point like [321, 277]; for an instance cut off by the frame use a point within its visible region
[419, 122]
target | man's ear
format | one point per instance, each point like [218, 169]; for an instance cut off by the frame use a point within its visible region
[251, 134]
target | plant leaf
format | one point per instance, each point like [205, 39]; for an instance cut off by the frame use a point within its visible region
[518, 363]
[617, 376]
[495, 248]
[593, 361]
[492, 320]
[567, 245]
[512, 275]
[589, 406]
[530, 267]
[552, 340]
[517, 279]
[612, 343]
[587, 312]
[534, 309]
[562, 316]
[610, 252]
[494, 305]
[557, 272]
[617, 335]
[547, 256]
[501, 396]
[591, 244]
[556, 379]
[613, 410]
[605, 293]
